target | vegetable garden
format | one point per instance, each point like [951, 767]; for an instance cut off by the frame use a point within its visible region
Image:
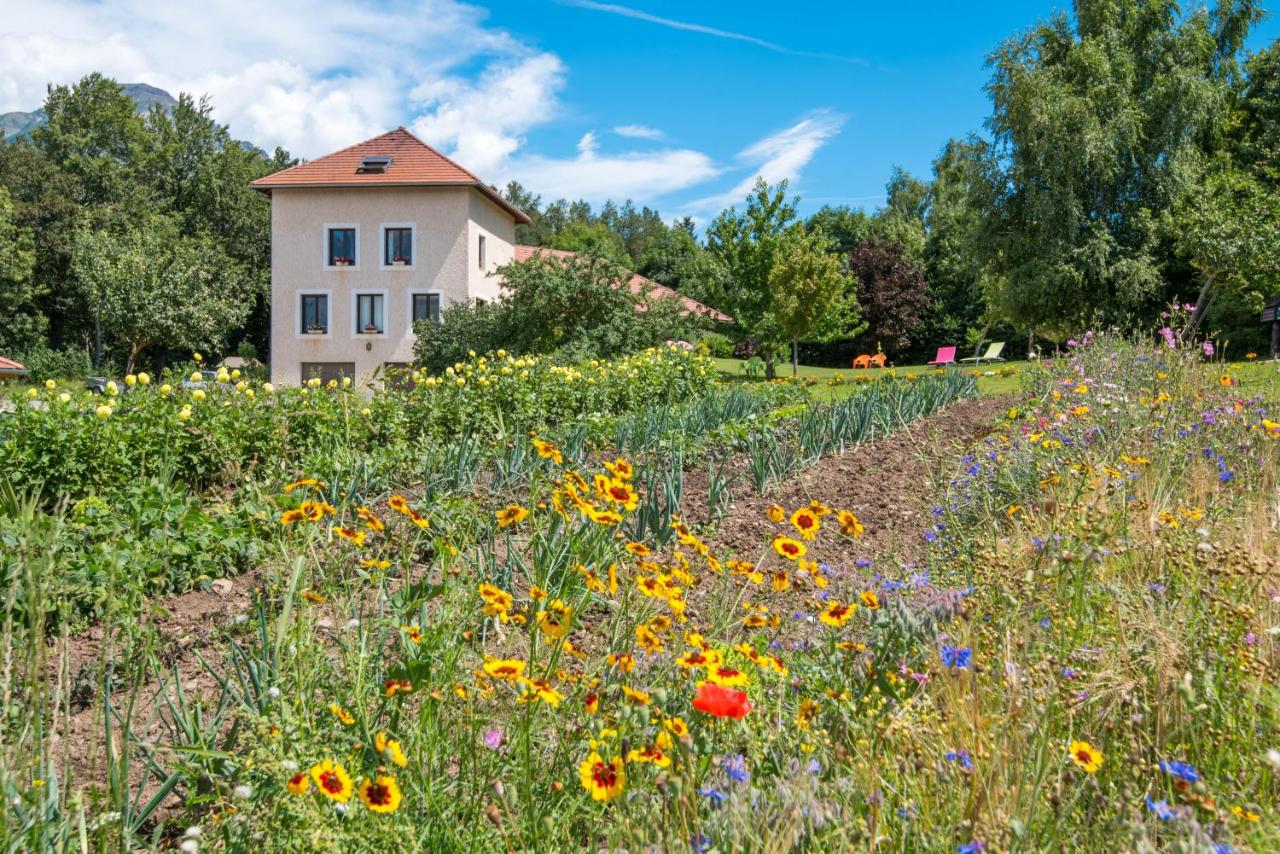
[483, 613]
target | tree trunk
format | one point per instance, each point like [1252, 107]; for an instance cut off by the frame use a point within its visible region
[769, 371]
[795, 358]
[97, 344]
[1202, 302]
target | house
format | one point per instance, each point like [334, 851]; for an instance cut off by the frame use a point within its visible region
[370, 239]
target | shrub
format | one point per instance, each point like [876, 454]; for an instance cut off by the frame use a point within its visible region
[716, 345]
[47, 364]
[464, 328]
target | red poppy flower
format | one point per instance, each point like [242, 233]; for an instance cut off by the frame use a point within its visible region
[721, 702]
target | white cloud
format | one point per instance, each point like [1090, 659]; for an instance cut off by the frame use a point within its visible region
[638, 132]
[779, 156]
[280, 73]
[640, 176]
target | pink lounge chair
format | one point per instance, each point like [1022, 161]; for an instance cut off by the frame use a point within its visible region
[946, 356]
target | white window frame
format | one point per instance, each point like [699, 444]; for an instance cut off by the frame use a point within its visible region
[482, 252]
[324, 246]
[408, 305]
[383, 264]
[297, 312]
[355, 313]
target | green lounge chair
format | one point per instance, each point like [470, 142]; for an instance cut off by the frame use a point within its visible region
[992, 354]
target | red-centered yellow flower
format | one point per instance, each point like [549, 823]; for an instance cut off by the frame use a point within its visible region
[806, 713]
[390, 749]
[1086, 756]
[623, 661]
[332, 780]
[313, 597]
[677, 727]
[780, 581]
[372, 522]
[299, 783]
[374, 563]
[723, 674]
[639, 549]
[837, 614]
[604, 780]
[649, 640]
[392, 687]
[620, 492]
[351, 534]
[554, 621]
[621, 469]
[870, 600]
[398, 503]
[1244, 814]
[591, 703]
[540, 690]
[818, 507]
[497, 602]
[290, 517]
[607, 518]
[789, 548]
[381, 794]
[309, 482]
[806, 522]
[849, 524]
[505, 668]
[695, 658]
[637, 696]
[344, 717]
[652, 754]
[548, 451]
[776, 514]
[511, 515]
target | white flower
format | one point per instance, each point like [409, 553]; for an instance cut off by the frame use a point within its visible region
[243, 791]
[190, 846]
[289, 765]
[273, 692]
[353, 623]
[193, 831]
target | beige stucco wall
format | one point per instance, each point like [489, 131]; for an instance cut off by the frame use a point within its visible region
[446, 223]
[499, 230]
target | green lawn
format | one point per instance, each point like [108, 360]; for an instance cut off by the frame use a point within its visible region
[1003, 380]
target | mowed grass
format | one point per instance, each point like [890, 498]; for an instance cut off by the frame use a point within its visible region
[1254, 379]
[999, 378]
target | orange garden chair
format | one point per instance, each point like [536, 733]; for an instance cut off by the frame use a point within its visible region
[878, 360]
[862, 362]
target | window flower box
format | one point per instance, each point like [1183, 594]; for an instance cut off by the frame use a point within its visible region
[342, 261]
[370, 329]
[400, 261]
[316, 330]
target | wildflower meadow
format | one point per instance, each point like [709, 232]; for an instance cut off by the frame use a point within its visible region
[514, 606]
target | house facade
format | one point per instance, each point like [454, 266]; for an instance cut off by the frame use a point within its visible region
[368, 240]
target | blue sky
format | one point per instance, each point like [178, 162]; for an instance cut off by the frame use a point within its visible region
[677, 105]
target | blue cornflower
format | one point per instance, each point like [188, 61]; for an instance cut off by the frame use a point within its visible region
[970, 847]
[700, 842]
[814, 767]
[956, 657]
[1182, 770]
[1163, 811]
[735, 765]
[862, 563]
[713, 794]
[1045, 623]
[961, 756]
[931, 536]
[1223, 848]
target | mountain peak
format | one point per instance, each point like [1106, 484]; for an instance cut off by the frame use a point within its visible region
[146, 96]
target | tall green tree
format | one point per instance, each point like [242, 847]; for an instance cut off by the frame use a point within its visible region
[1093, 118]
[811, 296]
[148, 286]
[24, 324]
[746, 245]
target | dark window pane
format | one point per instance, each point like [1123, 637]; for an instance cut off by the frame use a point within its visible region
[342, 246]
[426, 307]
[399, 245]
[369, 318]
[315, 313]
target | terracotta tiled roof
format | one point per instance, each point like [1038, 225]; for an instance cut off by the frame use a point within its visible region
[413, 163]
[10, 368]
[638, 284]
